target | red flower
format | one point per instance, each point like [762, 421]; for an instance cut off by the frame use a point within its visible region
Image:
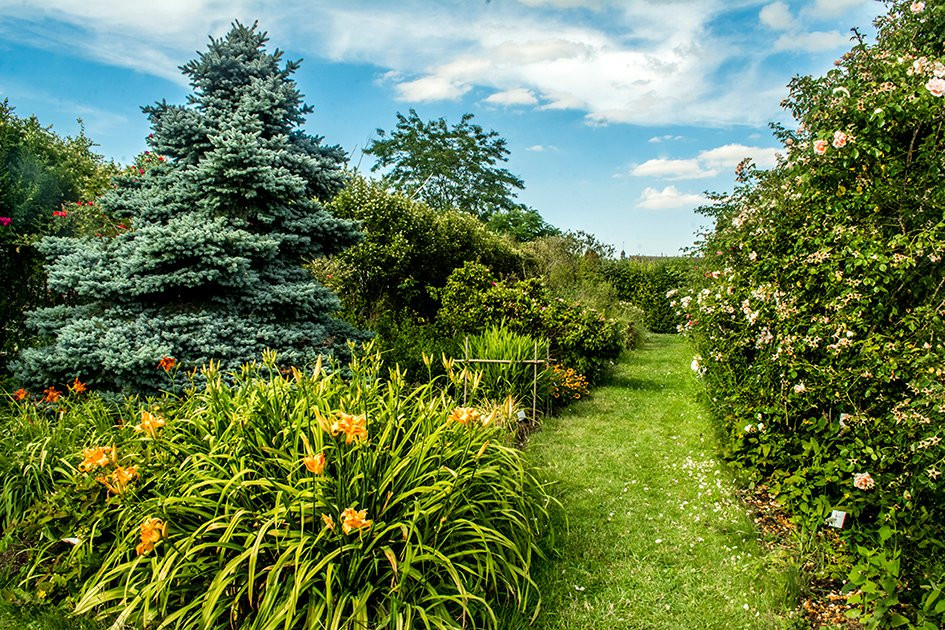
[59, 213]
[141, 171]
[5, 221]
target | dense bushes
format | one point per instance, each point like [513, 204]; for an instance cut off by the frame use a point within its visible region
[646, 282]
[282, 500]
[580, 337]
[820, 323]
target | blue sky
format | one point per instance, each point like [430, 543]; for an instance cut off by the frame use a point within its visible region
[618, 114]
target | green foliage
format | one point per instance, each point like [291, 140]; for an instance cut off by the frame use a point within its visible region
[213, 269]
[521, 223]
[408, 249]
[497, 381]
[41, 173]
[290, 500]
[819, 324]
[447, 167]
[647, 283]
[580, 337]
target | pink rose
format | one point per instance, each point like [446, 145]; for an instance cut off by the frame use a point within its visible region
[863, 481]
[917, 7]
[936, 86]
[5, 221]
[839, 139]
[820, 147]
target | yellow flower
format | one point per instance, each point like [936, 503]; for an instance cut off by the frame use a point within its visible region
[329, 522]
[118, 481]
[352, 519]
[96, 457]
[150, 423]
[464, 415]
[152, 531]
[315, 464]
[354, 427]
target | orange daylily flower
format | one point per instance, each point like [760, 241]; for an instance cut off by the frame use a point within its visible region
[464, 415]
[78, 386]
[167, 364]
[354, 427]
[96, 457]
[51, 394]
[150, 423]
[352, 519]
[315, 464]
[152, 531]
[118, 481]
[329, 522]
[20, 394]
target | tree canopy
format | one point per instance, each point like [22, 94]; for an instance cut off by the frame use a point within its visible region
[447, 166]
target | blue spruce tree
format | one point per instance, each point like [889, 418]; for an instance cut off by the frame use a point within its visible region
[222, 226]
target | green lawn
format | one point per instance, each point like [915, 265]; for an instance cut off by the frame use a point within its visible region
[655, 537]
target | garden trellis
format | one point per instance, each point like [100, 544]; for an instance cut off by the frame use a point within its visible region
[534, 362]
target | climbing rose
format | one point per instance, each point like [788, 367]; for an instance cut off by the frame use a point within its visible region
[917, 7]
[863, 481]
[839, 139]
[936, 86]
[59, 213]
[5, 221]
[820, 147]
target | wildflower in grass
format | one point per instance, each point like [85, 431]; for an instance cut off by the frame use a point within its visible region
[150, 423]
[352, 519]
[78, 386]
[315, 464]
[863, 481]
[936, 86]
[820, 147]
[464, 415]
[152, 531]
[51, 394]
[120, 479]
[329, 522]
[20, 394]
[96, 457]
[167, 364]
[354, 427]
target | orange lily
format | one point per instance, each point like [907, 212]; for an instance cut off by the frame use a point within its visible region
[354, 427]
[315, 464]
[352, 519]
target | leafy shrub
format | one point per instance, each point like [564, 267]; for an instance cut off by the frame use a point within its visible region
[579, 337]
[408, 249]
[819, 323]
[645, 283]
[291, 500]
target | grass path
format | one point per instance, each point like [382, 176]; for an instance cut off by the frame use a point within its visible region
[655, 536]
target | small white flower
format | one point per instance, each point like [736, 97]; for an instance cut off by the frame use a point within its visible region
[800, 388]
[917, 7]
[753, 256]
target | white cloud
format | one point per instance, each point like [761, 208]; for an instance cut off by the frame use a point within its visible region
[729, 155]
[518, 96]
[648, 63]
[673, 169]
[777, 16]
[826, 9]
[664, 138]
[540, 148]
[813, 42]
[708, 163]
[430, 88]
[668, 198]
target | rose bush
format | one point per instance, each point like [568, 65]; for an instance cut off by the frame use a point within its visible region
[819, 318]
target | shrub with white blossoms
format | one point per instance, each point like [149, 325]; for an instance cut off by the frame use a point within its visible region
[828, 319]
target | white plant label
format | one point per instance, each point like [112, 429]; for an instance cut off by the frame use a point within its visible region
[521, 414]
[836, 519]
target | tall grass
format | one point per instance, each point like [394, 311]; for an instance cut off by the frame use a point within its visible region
[294, 500]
